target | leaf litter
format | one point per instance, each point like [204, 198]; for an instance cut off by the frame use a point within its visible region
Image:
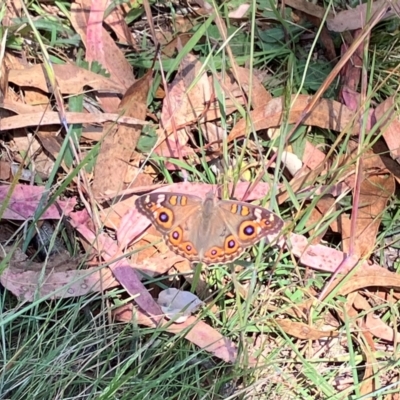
[352, 188]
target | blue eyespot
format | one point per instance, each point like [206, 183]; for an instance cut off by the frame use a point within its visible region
[231, 244]
[248, 230]
[163, 217]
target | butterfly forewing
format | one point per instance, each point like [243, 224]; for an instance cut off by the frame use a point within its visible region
[162, 209]
[250, 223]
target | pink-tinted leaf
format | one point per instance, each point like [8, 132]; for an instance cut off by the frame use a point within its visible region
[24, 200]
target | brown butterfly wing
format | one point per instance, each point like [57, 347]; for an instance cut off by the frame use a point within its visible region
[176, 216]
[244, 225]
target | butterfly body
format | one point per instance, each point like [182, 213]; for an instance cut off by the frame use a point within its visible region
[211, 231]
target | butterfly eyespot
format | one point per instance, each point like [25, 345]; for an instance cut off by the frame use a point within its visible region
[248, 230]
[163, 217]
[175, 236]
[214, 253]
[185, 248]
[231, 244]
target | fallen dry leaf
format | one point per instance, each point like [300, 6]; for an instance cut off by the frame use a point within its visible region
[119, 142]
[313, 157]
[126, 273]
[213, 134]
[370, 276]
[187, 98]
[17, 107]
[351, 72]
[171, 47]
[130, 281]
[366, 276]
[299, 182]
[173, 145]
[51, 143]
[70, 78]
[369, 383]
[40, 161]
[309, 8]
[313, 220]
[371, 322]
[375, 191]
[26, 279]
[116, 21]
[328, 114]
[354, 305]
[51, 117]
[389, 122]
[355, 18]
[21, 202]
[326, 206]
[190, 104]
[197, 332]
[28, 145]
[100, 46]
[387, 163]
[5, 170]
[303, 331]
[319, 257]
[250, 83]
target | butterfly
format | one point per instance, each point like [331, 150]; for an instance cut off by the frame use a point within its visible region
[209, 230]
